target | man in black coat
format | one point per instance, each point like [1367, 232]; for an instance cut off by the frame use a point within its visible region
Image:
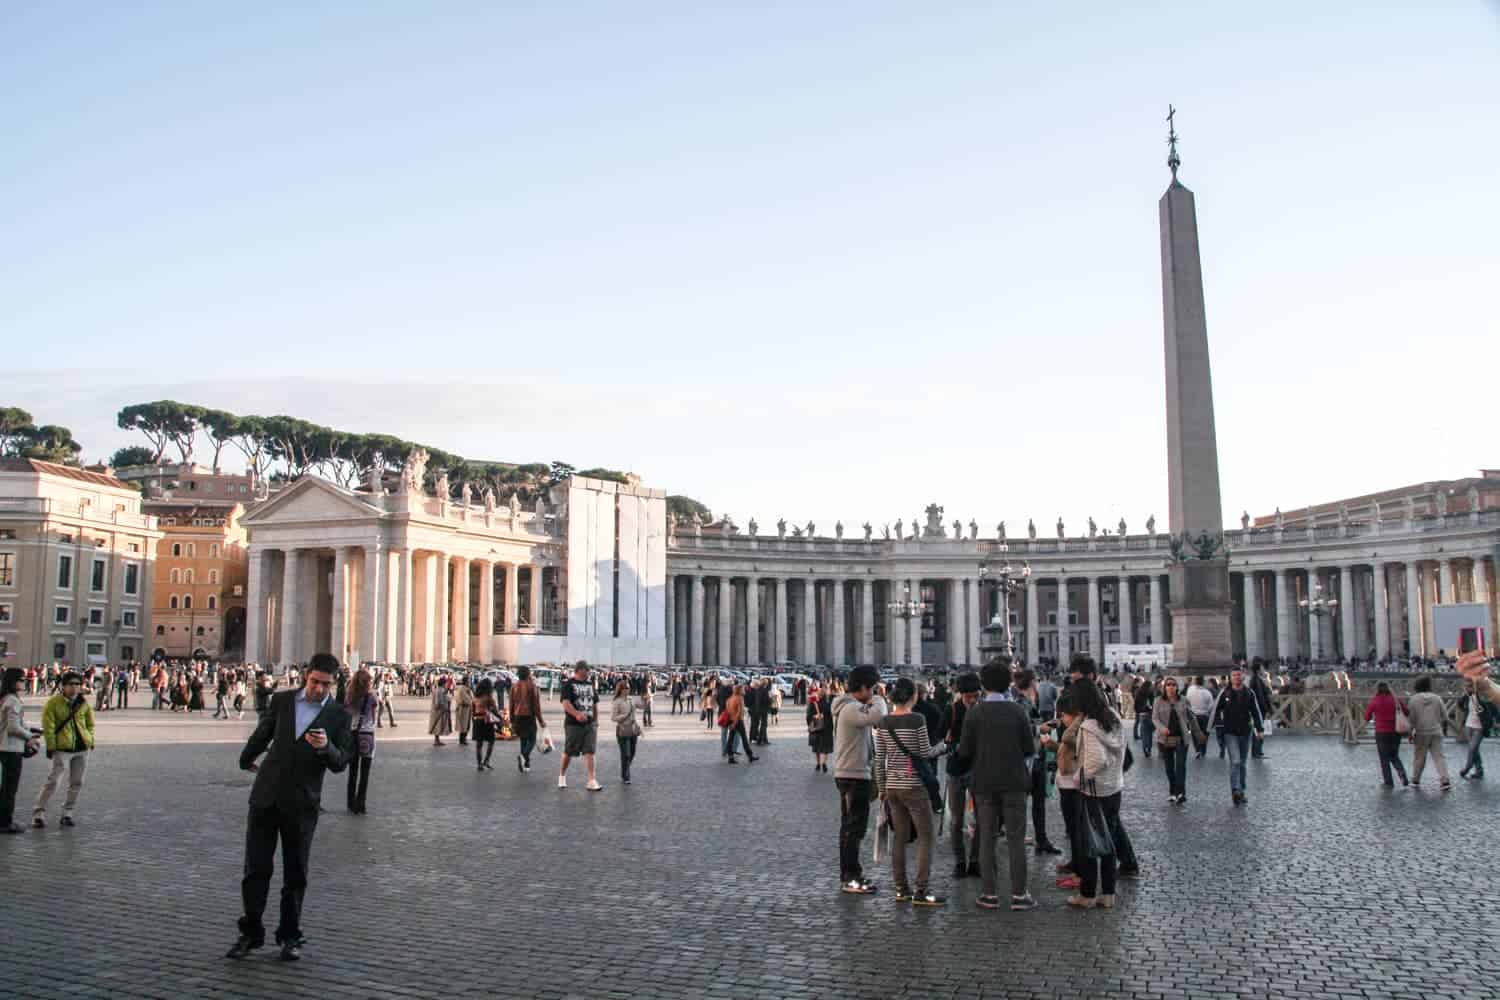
[308, 733]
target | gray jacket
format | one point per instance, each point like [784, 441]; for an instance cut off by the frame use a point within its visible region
[997, 739]
[853, 735]
[1161, 715]
[1425, 710]
[13, 728]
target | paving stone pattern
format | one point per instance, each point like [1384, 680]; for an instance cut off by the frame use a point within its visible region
[704, 880]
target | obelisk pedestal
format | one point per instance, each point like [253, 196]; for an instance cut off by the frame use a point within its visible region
[1199, 573]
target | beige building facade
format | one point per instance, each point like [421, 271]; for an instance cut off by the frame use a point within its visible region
[201, 578]
[76, 559]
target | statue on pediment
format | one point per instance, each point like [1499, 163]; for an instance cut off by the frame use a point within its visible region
[444, 491]
[377, 470]
[1031, 528]
[934, 527]
[514, 505]
[838, 529]
[1280, 519]
[781, 528]
[1093, 528]
[1121, 526]
[488, 499]
[414, 471]
[466, 492]
[973, 529]
[868, 531]
[899, 529]
[811, 529]
[697, 527]
[1000, 531]
[1343, 512]
[1060, 532]
[1151, 525]
[754, 528]
[1245, 521]
[1473, 496]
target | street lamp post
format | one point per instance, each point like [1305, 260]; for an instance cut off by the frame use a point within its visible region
[1005, 580]
[1317, 606]
[911, 612]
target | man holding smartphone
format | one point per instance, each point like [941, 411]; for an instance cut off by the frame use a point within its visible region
[308, 733]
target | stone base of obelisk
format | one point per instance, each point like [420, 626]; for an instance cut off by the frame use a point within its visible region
[1201, 639]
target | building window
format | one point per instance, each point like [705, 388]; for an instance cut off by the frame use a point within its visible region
[99, 543]
[200, 629]
[66, 539]
[172, 602]
[134, 547]
[161, 630]
[213, 576]
[132, 578]
[127, 652]
[5, 614]
[187, 576]
[192, 550]
[213, 602]
[96, 581]
[7, 533]
[128, 619]
[64, 572]
[96, 616]
[95, 649]
[213, 551]
[7, 569]
[61, 614]
[175, 576]
[187, 602]
[176, 548]
[59, 650]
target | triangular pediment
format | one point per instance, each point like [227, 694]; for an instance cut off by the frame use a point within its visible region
[310, 499]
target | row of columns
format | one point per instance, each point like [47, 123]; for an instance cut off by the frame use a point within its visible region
[1384, 607]
[393, 604]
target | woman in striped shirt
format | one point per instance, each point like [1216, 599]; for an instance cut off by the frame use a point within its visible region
[902, 751]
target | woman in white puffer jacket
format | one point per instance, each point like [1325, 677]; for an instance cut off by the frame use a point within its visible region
[1101, 754]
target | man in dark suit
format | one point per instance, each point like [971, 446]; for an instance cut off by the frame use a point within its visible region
[308, 733]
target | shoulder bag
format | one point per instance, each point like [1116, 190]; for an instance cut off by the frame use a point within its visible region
[1094, 836]
[926, 773]
[1403, 721]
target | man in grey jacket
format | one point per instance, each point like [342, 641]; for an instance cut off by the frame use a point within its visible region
[855, 714]
[998, 744]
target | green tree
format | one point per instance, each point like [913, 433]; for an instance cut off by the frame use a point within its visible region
[15, 424]
[220, 427]
[51, 443]
[682, 508]
[607, 474]
[251, 440]
[131, 455]
[559, 472]
[163, 422]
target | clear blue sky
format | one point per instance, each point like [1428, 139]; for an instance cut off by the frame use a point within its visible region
[806, 260]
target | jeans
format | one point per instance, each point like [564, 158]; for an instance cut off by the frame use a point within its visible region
[1239, 749]
[385, 706]
[122, 697]
[1039, 799]
[1388, 745]
[75, 764]
[910, 809]
[854, 819]
[1203, 726]
[1145, 732]
[1067, 800]
[359, 782]
[1423, 746]
[1096, 876]
[627, 754]
[1474, 762]
[10, 783]
[1174, 759]
[958, 800]
[525, 729]
[989, 809]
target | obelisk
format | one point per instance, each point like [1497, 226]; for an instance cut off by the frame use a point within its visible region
[1199, 571]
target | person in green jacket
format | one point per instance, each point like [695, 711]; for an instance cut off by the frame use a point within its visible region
[68, 728]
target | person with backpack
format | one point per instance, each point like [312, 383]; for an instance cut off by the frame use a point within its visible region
[68, 728]
[903, 773]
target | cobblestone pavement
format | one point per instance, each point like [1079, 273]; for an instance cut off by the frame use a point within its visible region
[706, 880]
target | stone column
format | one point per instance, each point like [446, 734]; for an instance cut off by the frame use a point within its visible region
[1064, 632]
[895, 628]
[255, 609]
[809, 624]
[1315, 648]
[866, 651]
[486, 651]
[778, 619]
[1346, 610]
[370, 620]
[1124, 608]
[973, 621]
[1286, 645]
[291, 606]
[1096, 629]
[1033, 640]
[458, 609]
[338, 621]
[914, 629]
[669, 622]
[1253, 644]
[1381, 615]
[726, 621]
[441, 563]
[955, 641]
[403, 606]
[1414, 611]
[834, 622]
[1445, 592]
[754, 656]
[698, 651]
[1158, 622]
[537, 595]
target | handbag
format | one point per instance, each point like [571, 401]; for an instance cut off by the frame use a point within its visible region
[1093, 835]
[925, 771]
[1403, 722]
[724, 718]
[816, 723]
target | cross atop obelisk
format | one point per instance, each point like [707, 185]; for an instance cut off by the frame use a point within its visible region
[1200, 599]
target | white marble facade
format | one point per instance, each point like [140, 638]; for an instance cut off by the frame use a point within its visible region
[410, 578]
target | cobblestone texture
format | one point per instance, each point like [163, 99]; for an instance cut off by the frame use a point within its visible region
[706, 880]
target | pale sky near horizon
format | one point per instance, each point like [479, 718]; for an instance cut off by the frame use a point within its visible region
[821, 261]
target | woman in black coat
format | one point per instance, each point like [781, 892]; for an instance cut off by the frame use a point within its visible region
[819, 728]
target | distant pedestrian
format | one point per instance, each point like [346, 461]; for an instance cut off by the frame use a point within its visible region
[1176, 729]
[1479, 717]
[525, 716]
[819, 729]
[68, 728]
[363, 706]
[17, 741]
[627, 729]
[440, 712]
[1238, 714]
[853, 715]
[1384, 708]
[580, 725]
[463, 709]
[997, 743]
[1428, 720]
[902, 755]
[484, 716]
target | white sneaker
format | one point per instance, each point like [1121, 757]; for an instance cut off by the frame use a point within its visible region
[562, 781]
[594, 786]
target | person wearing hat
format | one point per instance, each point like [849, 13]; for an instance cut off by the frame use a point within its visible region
[68, 728]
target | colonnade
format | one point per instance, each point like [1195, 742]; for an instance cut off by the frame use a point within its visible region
[373, 602]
